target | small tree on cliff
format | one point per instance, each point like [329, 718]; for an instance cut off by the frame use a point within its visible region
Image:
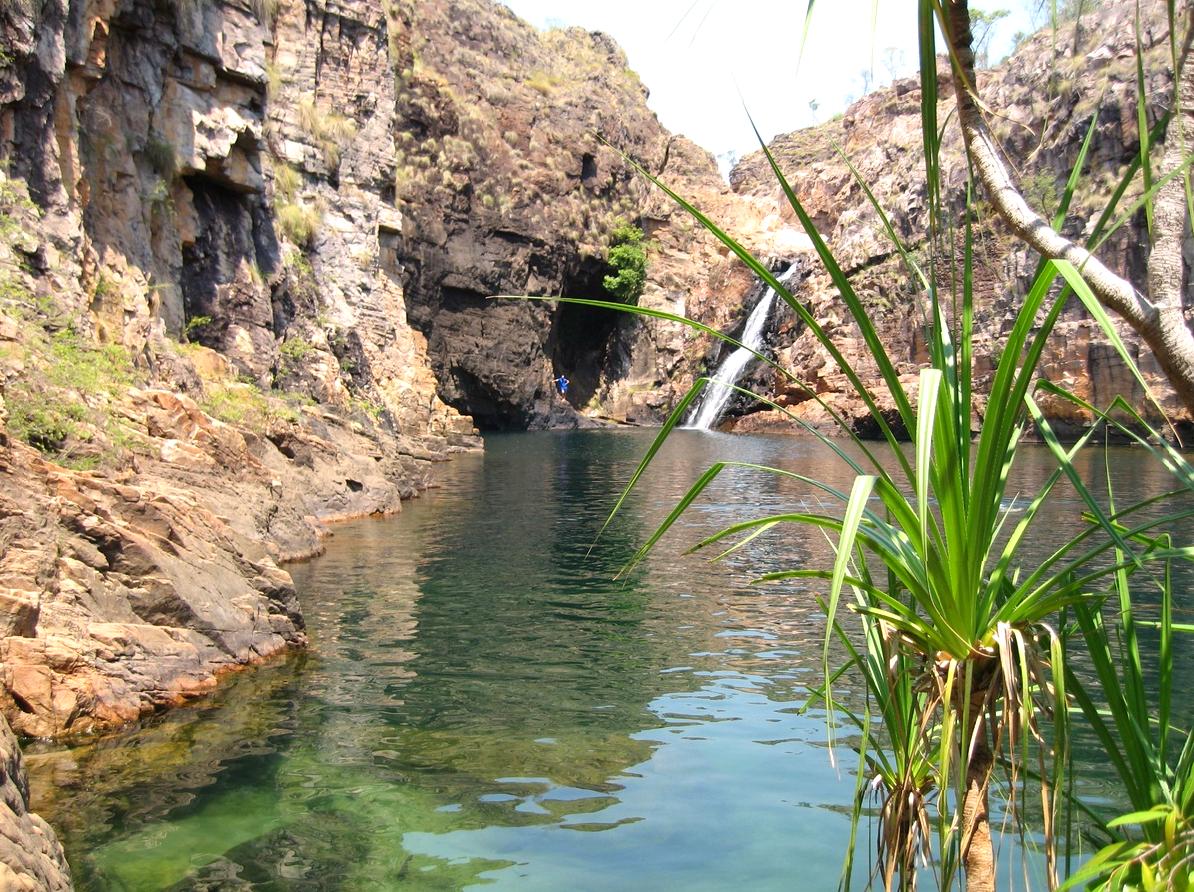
[628, 264]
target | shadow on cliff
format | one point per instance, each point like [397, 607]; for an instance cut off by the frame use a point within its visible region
[583, 342]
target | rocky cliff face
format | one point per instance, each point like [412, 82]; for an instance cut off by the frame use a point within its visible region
[1045, 98]
[248, 251]
[513, 175]
[202, 332]
[246, 248]
[247, 254]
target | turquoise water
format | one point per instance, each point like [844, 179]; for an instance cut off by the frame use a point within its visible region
[482, 703]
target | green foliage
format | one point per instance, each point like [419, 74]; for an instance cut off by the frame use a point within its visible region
[242, 403]
[12, 201]
[543, 82]
[627, 260]
[287, 182]
[959, 638]
[293, 352]
[982, 25]
[298, 222]
[15, 211]
[266, 11]
[161, 157]
[1040, 191]
[1063, 10]
[1152, 846]
[86, 368]
[366, 405]
[159, 197]
[235, 403]
[194, 325]
[274, 79]
[67, 404]
[44, 424]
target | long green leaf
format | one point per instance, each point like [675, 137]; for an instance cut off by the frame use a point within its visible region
[930, 385]
[859, 493]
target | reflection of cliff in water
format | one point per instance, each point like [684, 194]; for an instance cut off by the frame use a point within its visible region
[163, 769]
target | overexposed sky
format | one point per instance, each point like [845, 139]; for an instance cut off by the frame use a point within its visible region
[702, 59]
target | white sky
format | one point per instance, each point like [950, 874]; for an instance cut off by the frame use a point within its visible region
[702, 59]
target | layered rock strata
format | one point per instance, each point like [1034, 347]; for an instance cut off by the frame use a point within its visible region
[31, 858]
[140, 211]
[247, 250]
[516, 163]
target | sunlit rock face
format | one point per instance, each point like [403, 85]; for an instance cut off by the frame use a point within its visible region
[288, 221]
[514, 168]
[143, 143]
[1043, 101]
[31, 858]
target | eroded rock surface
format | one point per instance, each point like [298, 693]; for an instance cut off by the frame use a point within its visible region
[31, 858]
[144, 141]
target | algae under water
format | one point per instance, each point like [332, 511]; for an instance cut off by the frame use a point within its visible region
[483, 704]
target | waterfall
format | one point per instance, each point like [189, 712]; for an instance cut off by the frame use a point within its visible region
[719, 389]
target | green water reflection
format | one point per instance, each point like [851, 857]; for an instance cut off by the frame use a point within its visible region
[483, 703]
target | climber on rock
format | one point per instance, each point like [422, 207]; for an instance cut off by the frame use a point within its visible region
[562, 383]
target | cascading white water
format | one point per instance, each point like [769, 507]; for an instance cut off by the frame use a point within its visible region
[720, 388]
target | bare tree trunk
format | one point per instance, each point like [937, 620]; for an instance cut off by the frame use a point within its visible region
[978, 851]
[1159, 321]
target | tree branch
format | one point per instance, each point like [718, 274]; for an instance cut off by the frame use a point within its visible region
[1160, 321]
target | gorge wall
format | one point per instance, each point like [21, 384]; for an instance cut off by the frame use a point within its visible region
[248, 249]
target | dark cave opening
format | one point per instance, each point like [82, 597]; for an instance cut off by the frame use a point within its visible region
[582, 337]
[225, 238]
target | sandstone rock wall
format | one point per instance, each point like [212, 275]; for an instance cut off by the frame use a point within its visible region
[291, 218]
[286, 219]
[512, 177]
[137, 213]
[31, 858]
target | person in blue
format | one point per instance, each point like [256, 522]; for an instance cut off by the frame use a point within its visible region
[562, 383]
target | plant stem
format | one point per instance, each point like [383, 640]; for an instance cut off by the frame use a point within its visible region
[978, 854]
